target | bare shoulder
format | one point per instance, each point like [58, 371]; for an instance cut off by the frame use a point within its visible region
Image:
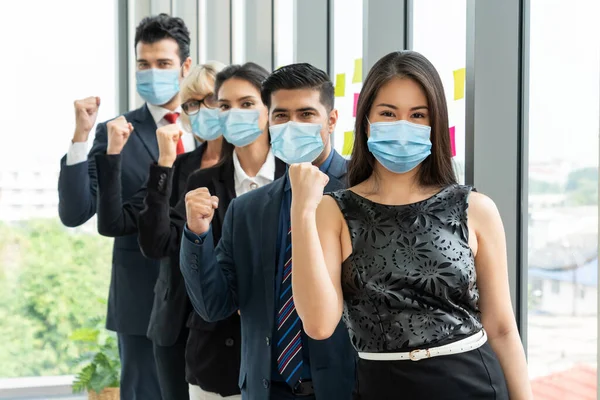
[483, 211]
[479, 202]
[329, 214]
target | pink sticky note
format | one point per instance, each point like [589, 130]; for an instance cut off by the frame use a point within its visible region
[355, 102]
[453, 140]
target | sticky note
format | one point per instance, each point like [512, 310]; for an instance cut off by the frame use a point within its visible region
[355, 103]
[459, 83]
[453, 140]
[340, 85]
[357, 78]
[348, 143]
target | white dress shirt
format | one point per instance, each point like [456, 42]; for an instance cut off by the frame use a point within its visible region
[244, 184]
[78, 151]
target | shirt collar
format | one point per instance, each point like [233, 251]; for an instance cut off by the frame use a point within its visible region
[158, 112]
[323, 168]
[267, 171]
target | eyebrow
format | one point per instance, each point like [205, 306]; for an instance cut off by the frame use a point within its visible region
[159, 60]
[240, 99]
[303, 109]
[395, 108]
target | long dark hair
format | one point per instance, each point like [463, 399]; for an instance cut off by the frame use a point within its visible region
[437, 169]
[250, 72]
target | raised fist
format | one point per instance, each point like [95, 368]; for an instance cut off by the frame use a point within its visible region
[200, 208]
[118, 133]
[86, 112]
[167, 137]
[307, 184]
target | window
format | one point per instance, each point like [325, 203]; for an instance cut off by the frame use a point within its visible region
[284, 34]
[563, 195]
[440, 34]
[347, 21]
[52, 279]
[555, 287]
[238, 32]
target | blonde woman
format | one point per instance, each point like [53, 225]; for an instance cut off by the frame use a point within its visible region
[187, 350]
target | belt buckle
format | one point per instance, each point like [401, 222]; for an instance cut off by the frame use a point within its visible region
[303, 388]
[419, 354]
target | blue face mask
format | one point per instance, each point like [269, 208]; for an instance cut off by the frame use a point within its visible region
[206, 124]
[295, 142]
[240, 127]
[400, 145]
[157, 86]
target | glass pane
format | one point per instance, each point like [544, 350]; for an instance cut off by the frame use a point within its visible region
[347, 68]
[563, 198]
[238, 32]
[53, 280]
[440, 34]
[284, 37]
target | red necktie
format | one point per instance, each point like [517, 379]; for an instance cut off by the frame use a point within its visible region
[172, 118]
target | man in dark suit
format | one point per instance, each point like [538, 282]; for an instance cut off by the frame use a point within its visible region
[249, 269]
[162, 51]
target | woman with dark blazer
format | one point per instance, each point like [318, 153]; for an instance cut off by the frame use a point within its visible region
[246, 164]
[170, 312]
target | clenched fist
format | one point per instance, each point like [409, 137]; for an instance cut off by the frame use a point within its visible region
[200, 208]
[86, 112]
[307, 184]
[118, 133]
[167, 137]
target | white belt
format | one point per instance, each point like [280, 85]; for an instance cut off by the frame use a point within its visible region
[462, 346]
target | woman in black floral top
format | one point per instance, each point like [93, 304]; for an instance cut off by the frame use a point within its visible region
[423, 289]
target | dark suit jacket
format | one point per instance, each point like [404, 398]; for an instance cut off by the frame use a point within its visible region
[240, 274]
[116, 218]
[133, 276]
[213, 356]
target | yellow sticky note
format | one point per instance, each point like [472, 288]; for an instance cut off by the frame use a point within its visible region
[340, 85]
[348, 143]
[357, 78]
[459, 83]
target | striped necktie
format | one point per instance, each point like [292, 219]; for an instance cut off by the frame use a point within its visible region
[289, 326]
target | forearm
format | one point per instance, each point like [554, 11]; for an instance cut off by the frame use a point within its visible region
[509, 350]
[158, 235]
[115, 218]
[205, 281]
[76, 203]
[315, 296]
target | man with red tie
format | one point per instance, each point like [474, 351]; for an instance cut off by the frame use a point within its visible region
[162, 52]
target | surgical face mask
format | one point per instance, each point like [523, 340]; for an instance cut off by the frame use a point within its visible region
[157, 86]
[206, 124]
[240, 127]
[400, 145]
[295, 142]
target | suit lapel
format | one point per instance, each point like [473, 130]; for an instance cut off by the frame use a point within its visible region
[190, 164]
[224, 187]
[280, 168]
[268, 241]
[144, 128]
[338, 166]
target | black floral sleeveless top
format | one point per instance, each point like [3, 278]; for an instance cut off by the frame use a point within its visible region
[410, 280]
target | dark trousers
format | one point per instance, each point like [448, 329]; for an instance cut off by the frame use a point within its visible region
[170, 363]
[281, 391]
[139, 380]
[472, 375]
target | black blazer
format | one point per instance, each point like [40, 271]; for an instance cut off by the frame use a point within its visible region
[133, 276]
[171, 306]
[239, 273]
[213, 356]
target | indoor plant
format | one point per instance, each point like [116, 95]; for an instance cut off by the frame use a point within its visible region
[99, 365]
